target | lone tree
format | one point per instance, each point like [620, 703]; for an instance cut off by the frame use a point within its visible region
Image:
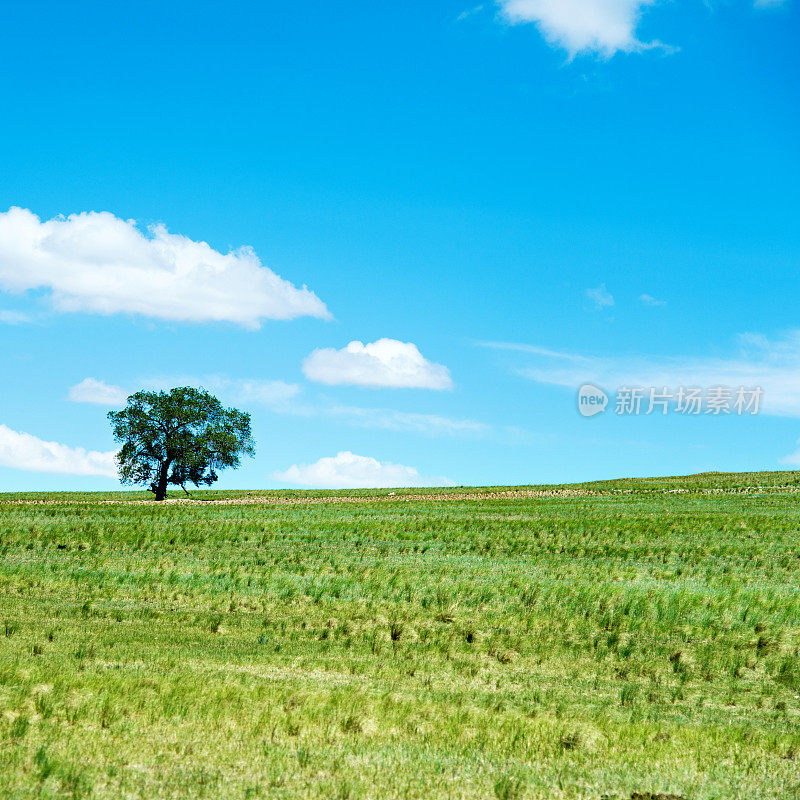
[178, 437]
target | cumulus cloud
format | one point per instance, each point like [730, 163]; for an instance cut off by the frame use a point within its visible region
[26, 452]
[600, 296]
[386, 363]
[580, 26]
[772, 365]
[98, 263]
[349, 471]
[649, 300]
[100, 393]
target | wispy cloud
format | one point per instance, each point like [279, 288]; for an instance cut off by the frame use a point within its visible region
[433, 425]
[12, 317]
[100, 393]
[384, 364]
[469, 12]
[649, 300]
[773, 365]
[26, 452]
[288, 399]
[600, 296]
[276, 395]
[389, 419]
[98, 263]
[347, 470]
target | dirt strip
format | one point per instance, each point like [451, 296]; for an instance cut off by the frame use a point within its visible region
[391, 497]
[266, 500]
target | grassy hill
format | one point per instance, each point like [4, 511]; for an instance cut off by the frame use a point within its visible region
[604, 640]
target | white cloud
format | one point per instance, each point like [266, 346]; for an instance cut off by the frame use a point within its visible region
[760, 362]
[386, 363]
[769, 3]
[649, 300]
[98, 263]
[91, 390]
[579, 26]
[10, 317]
[349, 471]
[600, 296]
[26, 452]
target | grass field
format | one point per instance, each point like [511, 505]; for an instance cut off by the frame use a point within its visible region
[615, 640]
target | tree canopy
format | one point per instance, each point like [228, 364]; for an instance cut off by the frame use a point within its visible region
[177, 437]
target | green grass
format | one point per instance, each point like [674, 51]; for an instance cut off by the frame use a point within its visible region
[628, 639]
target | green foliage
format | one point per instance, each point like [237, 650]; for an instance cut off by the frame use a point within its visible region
[633, 641]
[178, 437]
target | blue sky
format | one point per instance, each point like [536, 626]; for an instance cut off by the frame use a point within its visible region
[500, 202]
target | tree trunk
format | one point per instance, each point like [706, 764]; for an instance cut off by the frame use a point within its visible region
[161, 486]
